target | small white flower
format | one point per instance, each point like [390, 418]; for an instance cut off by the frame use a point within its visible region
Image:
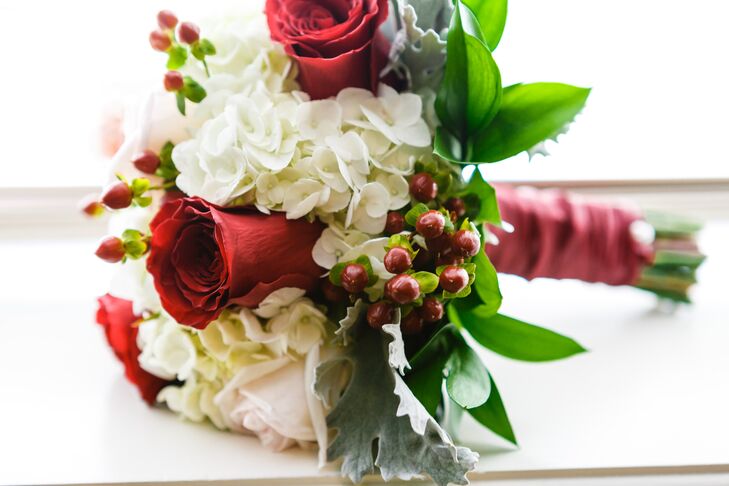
[167, 350]
[368, 209]
[317, 120]
[326, 166]
[300, 326]
[194, 400]
[272, 304]
[398, 117]
[351, 100]
[353, 158]
[212, 166]
[303, 196]
[398, 188]
[264, 129]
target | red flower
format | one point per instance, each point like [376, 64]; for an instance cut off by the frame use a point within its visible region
[335, 42]
[118, 319]
[204, 257]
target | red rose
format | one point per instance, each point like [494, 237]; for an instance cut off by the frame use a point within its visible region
[118, 319]
[204, 257]
[335, 42]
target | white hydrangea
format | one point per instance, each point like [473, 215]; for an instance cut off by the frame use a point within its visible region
[344, 160]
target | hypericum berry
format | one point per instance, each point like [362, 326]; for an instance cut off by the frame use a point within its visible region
[423, 187]
[456, 205]
[432, 310]
[159, 40]
[402, 289]
[398, 260]
[395, 223]
[147, 162]
[412, 323]
[111, 249]
[91, 206]
[188, 33]
[117, 196]
[174, 81]
[430, 224]
[354, 278]
[465, 243]
[333, 293]
[166, 19]
[379, 314]
[439, 244]
[453, 279]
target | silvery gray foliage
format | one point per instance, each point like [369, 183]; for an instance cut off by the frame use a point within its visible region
[418, 51]
[378, 407]
[432, 14]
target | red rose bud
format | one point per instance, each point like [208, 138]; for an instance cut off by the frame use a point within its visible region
[412, 323]
[91, 206]
[159, 40]
[398, 260]
[432, 310]
[453, 279]
[395, 223]
[147, 162]
[423, 187]
[457, 206]
[333, 293]
[379, 314]
[166, 19]
[174, 81]
[188, 33]
[430, 224]
[402, 289]
[117, 196]
[111, 249]
[466, 243]
[354, 278]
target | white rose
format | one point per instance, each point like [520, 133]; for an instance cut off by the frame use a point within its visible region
[274, 400]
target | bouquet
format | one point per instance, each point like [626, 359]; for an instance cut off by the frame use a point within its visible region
[301, 256]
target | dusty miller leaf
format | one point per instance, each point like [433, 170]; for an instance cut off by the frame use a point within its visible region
[378, 407]
[418, 53]
[396, 349]
[346, 324]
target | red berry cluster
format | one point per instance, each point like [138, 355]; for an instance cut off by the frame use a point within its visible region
[438, 263]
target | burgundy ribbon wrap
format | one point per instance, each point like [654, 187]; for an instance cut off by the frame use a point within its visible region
[563, 236]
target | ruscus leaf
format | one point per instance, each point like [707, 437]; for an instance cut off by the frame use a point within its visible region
[491, 15]
[467, 380]
[529, 114]
[492, 415]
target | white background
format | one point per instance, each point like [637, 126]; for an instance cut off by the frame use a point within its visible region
[658, 69]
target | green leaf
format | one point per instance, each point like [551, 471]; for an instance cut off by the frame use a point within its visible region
[411, 217]
[518, 340]
[428, 281]
[492, 415]
[491, 15]
[426, 383]
[448, 146]
[180, 101]
[368, 426]
[167, 169]
[177, 57]
[143, 201]
[467, 380]
[193, 91]
[131, 235]
[481, 196]
[529, 114]
[139, 186]
[470, 94]
[487, 282]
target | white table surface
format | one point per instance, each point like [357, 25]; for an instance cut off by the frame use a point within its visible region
[652, 395]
